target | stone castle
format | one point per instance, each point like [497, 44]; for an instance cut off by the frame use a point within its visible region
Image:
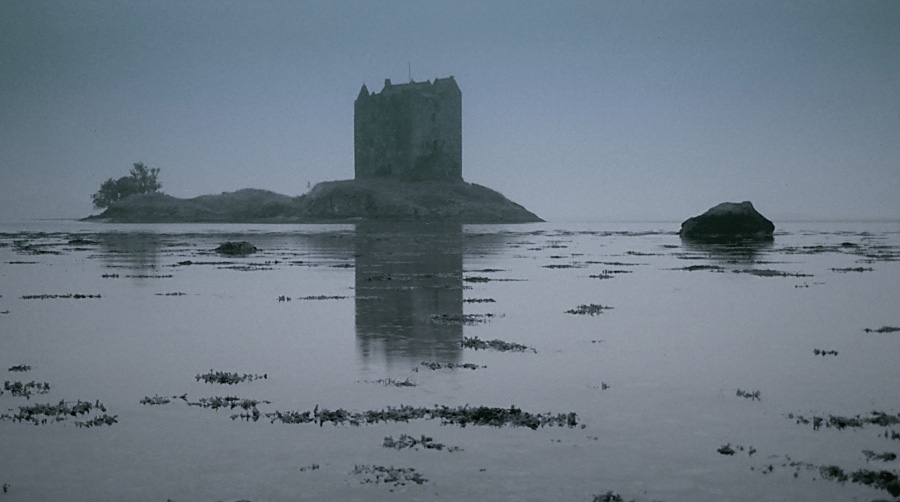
[408, 168]
[409, 132]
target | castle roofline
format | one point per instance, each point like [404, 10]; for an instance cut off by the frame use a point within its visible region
[393, 89]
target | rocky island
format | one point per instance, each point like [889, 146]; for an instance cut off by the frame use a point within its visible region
[728, 221]
[407, 167]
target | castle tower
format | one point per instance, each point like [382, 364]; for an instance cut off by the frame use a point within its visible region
[409, 132]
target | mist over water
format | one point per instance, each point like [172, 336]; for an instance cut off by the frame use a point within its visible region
[696, 348]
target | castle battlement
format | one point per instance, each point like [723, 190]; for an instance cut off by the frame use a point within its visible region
[409, 132]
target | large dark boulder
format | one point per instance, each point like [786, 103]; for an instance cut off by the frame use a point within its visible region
[728, 221]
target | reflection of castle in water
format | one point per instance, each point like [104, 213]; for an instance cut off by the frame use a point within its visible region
[405, 276]
[138, 252]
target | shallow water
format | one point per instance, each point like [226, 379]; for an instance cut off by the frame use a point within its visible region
[652, 380]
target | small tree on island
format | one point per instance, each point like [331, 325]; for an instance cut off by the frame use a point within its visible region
[141, 179]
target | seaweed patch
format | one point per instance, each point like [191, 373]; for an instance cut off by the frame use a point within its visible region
[228, 378]
[479, 300]
[609, 496]
[461, 319]
[764, 272]
[42, 414]
[882, 480]
[378, 474]
[75, 296]
[26, 390]
[727, 449]
[695, 268]
[883, 329]
[432, 365]
[230, 402]
[407, 441]
[155, 400]
[748, 395]
[883, 457]
[460, 415]
[479, 344]
[591, 310]
[878, 418]
[392, 382]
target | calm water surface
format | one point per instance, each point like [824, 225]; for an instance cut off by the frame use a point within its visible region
[653, 379]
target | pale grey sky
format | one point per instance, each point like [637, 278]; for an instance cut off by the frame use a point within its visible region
[579, 110]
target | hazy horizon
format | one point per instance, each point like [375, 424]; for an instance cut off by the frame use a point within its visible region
[600, 111]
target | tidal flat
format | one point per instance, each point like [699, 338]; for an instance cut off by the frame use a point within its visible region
[138, 364]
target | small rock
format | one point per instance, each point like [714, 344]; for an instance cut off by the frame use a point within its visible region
[726, 450]
[236, 248]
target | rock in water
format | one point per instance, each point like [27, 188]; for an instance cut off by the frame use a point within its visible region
[236, 248]
[728, 221]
